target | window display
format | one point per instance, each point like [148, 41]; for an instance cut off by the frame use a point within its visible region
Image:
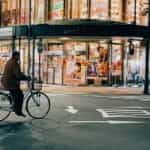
[99, 9]
[55, 63]
[39, 11]
[116, 60]
[5, 54]
[83, 9]
[24, 11]
[135, 65]
[141, 16]
[56, 9]
[74, 63]
[97, 69]
[116, 10]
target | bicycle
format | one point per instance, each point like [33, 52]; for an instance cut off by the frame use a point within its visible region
[37, 103]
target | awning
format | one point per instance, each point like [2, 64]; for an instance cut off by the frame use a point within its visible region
[83, 28]
[89, 28]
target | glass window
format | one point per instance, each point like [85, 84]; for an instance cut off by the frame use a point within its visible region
[24, 11]
[99, 9]
[74, 63]
[77, 9]
[5, 53]
[130, 11]
[56, 9]
[116, 60]
[39, 11]
[116, 10]
[141, 16]
[83, 8]
[10, 12]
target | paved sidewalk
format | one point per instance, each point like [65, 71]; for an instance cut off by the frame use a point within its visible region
[93, 90]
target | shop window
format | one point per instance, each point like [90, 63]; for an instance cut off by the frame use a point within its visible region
[116, 66]
[97, 69]
[99, 9]
[5, 53]
[39, 11]
[75, 63]
[135, 63]
[10, 12]
[55, 9]
[54, 63]
[24, 12]
[141, 15]
[116, 10]
[77, 9]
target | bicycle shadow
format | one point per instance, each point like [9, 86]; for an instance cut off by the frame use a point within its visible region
[16, 135]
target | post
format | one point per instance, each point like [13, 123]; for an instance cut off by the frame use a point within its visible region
[146, 83]
[29, 38]
[33, 61]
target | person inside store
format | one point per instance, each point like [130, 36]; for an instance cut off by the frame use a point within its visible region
[11, 78]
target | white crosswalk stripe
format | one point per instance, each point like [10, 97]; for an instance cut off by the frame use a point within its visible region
[124, 113]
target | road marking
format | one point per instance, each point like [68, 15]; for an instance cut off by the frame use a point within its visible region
[71, 110]
[124, 113]
[145, 99]
[108, 122]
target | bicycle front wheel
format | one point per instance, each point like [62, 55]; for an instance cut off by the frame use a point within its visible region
[4, 106]
[38, 105]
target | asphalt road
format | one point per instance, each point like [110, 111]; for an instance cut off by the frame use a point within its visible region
[82, 122]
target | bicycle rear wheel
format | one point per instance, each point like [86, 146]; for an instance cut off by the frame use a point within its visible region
[38, 105]
[4, 106]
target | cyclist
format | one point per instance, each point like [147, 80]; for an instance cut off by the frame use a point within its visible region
[11, 81]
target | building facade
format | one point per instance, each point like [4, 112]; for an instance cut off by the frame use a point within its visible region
[79, 60]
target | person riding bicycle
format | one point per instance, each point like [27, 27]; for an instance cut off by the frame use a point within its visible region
[11, 81]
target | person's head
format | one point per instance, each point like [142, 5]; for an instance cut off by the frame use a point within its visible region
[16, 55]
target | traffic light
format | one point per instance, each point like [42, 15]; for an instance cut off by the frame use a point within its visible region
[131, 48]
[40, 46]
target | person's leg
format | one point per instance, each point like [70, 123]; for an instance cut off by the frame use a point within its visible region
[19, 101]
[14, 97]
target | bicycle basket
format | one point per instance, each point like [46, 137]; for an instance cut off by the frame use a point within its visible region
[38, 85]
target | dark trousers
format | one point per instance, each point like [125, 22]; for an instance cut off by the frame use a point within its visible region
[17, 95]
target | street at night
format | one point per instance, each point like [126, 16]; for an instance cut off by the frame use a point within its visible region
[82, 122]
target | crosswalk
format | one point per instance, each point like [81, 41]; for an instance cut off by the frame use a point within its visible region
[124, 113]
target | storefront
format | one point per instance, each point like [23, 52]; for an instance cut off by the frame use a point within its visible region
[98, 63]
[91, 54]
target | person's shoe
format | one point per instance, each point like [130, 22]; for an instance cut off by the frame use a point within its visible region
[21, 114]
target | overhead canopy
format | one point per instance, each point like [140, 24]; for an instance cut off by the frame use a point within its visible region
[82, 28]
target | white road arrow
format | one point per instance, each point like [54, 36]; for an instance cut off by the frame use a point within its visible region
[71, 110]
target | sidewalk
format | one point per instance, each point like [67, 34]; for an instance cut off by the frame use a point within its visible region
[93, 90]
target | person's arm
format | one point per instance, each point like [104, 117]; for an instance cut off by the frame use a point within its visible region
[18, 74]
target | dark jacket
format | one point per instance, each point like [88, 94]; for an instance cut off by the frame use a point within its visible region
[12, 75]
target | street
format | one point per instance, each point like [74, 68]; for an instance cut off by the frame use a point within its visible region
[82, 122]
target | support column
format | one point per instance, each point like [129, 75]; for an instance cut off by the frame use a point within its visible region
[146, 82]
